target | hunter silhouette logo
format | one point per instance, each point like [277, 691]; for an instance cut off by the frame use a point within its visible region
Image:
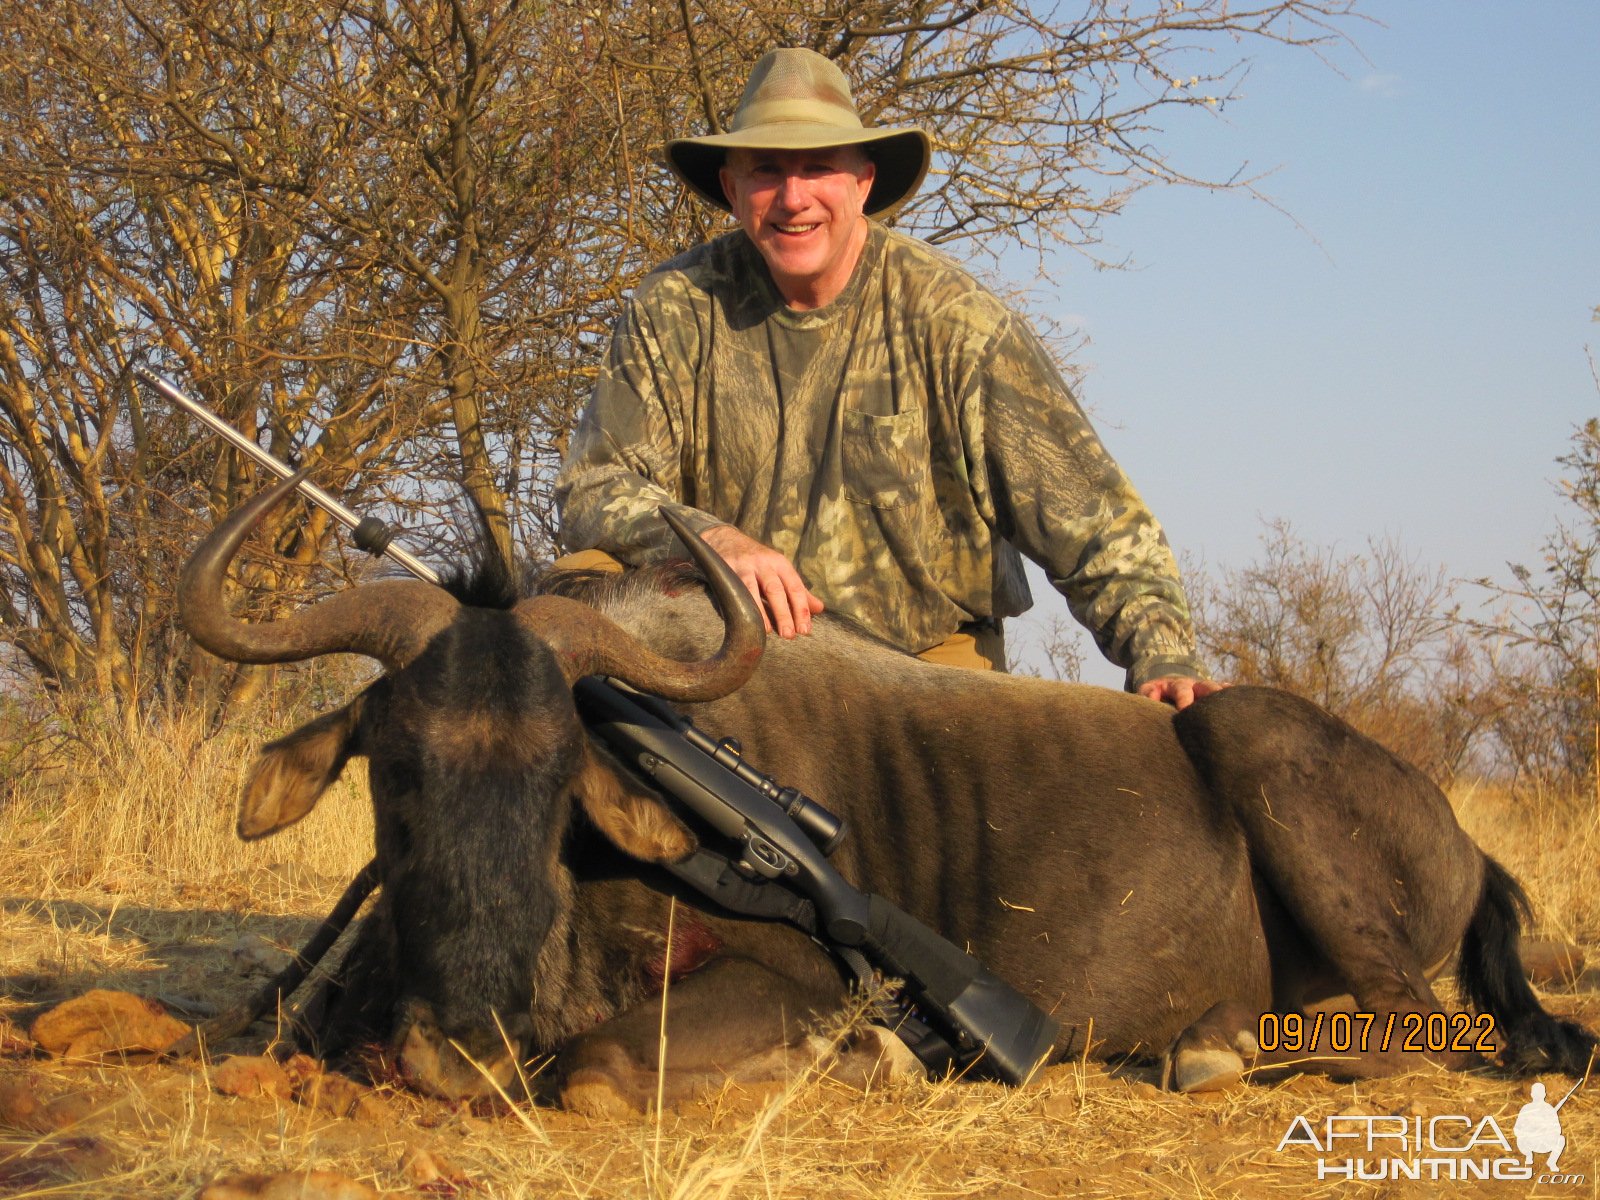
[1538, 1127]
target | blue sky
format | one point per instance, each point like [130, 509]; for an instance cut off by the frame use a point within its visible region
[1404, 357]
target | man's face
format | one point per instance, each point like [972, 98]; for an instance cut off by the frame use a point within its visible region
[802, 209]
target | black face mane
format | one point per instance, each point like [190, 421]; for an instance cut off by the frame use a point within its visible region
[484, 579]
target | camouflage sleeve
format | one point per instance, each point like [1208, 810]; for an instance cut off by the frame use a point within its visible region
[1060, 498]
[624, 461]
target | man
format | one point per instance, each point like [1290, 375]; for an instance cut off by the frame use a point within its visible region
[851, 420]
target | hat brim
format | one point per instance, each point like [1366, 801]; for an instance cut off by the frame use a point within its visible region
[900, 156]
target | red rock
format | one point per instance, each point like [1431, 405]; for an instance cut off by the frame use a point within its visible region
[249, 1076]
[104, 1022]
[1551, 963]
[432, 1172]
[290, 1185]
[340, 1097]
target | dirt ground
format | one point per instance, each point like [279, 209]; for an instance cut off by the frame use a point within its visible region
[114, 1130]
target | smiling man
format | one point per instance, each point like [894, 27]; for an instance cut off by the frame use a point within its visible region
[853, 421]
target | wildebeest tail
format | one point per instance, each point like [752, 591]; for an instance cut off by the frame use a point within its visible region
[1491, 975]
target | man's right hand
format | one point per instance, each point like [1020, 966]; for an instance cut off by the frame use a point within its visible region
[787, 605]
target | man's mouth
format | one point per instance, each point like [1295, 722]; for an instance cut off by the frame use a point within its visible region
[795, 229]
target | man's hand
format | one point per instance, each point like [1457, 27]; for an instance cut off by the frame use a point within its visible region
[1179, 691]
[787, 605]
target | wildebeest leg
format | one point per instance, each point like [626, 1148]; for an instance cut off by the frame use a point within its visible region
[1233, 1039]
[1337, 1036]
[1361, 851]
[732, 1019]
[355, 1004]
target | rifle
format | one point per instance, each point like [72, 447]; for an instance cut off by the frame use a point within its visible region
[953, 1013]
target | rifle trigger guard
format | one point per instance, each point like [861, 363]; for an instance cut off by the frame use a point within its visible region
[765, 858]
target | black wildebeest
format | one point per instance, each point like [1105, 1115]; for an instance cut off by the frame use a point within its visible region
[1158, 881]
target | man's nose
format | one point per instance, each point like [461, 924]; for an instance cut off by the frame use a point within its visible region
[791, 192]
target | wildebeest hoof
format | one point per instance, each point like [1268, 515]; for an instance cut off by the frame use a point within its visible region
[599, 1078]
[1211, 1069]
[1207, 1062]
[431, 1064]
[597, 1093]
[876, 1056]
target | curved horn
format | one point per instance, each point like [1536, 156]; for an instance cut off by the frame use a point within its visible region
[588, 643]
[391, 620]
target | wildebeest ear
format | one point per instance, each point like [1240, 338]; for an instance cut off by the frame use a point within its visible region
[635, 819]
[291, 773]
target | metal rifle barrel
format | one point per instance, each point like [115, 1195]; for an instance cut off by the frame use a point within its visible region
[282, 470]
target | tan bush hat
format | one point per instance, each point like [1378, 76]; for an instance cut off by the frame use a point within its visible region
[798, 100]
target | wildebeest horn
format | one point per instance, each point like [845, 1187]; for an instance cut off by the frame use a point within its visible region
[390, 620]
[590, 644]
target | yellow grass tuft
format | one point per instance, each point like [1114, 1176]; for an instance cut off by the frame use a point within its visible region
[159, 809]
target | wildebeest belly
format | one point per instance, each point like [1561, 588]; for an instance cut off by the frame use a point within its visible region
[1094, 872]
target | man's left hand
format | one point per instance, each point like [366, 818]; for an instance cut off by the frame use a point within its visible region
[1178, 691]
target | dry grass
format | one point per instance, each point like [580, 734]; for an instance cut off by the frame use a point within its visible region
[159, 811]
[1549, 838]
[128, 876]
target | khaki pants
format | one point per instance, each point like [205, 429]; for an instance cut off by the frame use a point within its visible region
[982, 649]
[588, 560]
[978, 646]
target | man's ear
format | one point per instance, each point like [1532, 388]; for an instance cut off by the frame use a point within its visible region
[634, 819]
[290, 774]
[865, 178]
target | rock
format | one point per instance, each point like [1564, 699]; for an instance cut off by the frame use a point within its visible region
[301, 1068]
[1549, 962]
[104, 1022]
[340, 1097]
[430, 1170]
[23, 1107]
[250, 1076]
[1060, 1106]
[252, 954]
[290, 1185]
[44, 1164]
[68, 1109]
[20, 1105]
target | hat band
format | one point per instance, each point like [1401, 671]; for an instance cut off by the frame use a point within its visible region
[797, 112]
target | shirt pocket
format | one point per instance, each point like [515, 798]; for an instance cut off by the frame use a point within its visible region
[885, 459]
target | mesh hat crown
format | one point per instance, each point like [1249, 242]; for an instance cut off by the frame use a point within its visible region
[798, 100]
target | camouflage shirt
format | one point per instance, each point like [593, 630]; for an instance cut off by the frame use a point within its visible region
[899, 445]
